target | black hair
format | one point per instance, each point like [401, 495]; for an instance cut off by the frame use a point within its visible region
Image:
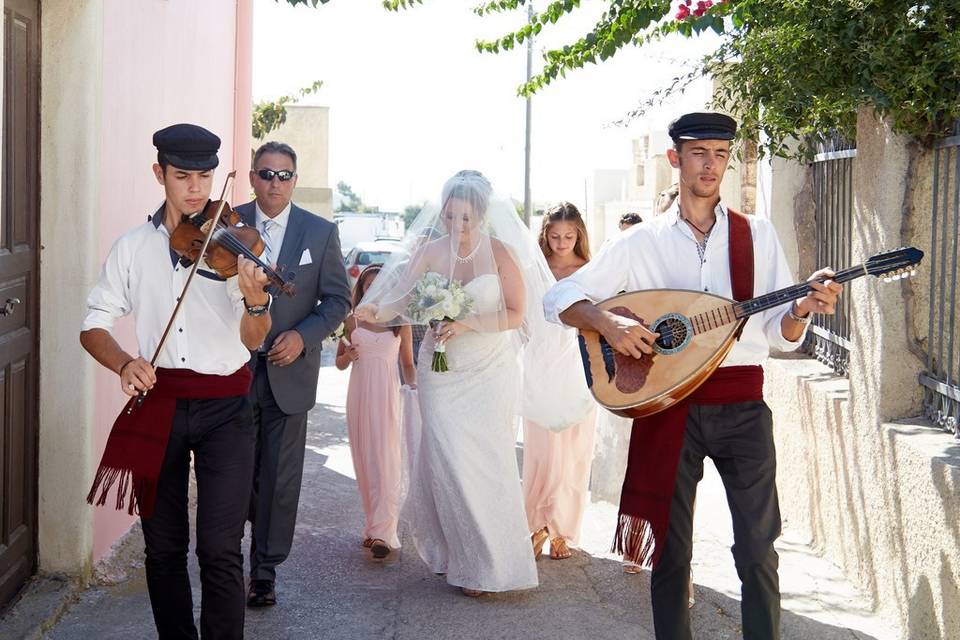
[276, 147]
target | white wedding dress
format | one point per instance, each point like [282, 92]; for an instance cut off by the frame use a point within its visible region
[464, 506]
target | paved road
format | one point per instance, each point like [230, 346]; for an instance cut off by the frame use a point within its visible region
[330, 589]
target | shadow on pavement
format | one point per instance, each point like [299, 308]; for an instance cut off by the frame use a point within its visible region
[330, 588]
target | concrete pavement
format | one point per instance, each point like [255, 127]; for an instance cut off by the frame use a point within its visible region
[329, 588]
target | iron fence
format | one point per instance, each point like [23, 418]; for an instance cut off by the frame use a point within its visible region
[941, 391]
[829, 337]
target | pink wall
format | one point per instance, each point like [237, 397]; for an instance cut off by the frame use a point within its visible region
[164, 61]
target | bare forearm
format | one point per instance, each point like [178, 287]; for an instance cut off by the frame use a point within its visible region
[409, 374]
[254, 329]
[104, 349]
[624, 334]
[585, 315]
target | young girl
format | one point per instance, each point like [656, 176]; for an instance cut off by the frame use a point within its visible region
[373, 416]
[556, 466]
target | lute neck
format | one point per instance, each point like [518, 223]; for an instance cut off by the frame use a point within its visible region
[760, 304]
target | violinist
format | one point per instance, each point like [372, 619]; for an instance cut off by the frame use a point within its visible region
[197, 402]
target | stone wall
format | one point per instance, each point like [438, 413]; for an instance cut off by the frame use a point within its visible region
[874, 486]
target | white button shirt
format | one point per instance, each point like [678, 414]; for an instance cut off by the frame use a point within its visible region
[276, 234]
[140, 277]
[662, 254]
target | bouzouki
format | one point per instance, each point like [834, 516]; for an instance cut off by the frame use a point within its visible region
[697, 331]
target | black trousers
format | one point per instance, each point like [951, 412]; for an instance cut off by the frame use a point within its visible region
[219, 433]
[739, 439]
[281, 441]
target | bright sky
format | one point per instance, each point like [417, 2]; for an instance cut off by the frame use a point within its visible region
[412, 101]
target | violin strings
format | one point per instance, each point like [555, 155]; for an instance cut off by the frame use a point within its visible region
[235, 245]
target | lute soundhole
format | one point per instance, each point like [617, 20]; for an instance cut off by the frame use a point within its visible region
[675, 331]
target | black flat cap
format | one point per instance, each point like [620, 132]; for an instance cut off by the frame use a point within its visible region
[187, 146]
[703, 125]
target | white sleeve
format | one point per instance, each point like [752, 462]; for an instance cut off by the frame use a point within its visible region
[599, 279]
[781, 278]
[110, 297]
[235, 294]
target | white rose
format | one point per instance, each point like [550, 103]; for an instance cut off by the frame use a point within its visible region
[451, 309]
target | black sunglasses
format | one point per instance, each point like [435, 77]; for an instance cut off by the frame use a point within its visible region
[283, 175]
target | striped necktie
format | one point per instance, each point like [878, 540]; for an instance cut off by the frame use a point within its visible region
[269, 226]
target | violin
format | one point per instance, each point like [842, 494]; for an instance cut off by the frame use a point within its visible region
[219, 241]
[230, 239]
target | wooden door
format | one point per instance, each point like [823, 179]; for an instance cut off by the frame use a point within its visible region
[19, 288]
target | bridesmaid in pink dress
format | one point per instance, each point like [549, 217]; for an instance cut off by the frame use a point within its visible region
[556, 465]
[373, 417]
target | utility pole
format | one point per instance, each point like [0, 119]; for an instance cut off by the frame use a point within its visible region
[526, 150]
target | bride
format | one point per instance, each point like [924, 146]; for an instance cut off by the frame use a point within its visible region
[464, 506]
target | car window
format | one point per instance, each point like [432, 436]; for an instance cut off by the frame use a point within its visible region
[372, 257]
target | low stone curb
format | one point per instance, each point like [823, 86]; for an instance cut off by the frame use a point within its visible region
[41, 604]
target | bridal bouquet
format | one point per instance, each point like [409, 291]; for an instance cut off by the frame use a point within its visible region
[437, 298]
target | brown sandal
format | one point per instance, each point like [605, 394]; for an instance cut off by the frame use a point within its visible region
[471, 593]
[559, 549]
[538, 539]
[367, 542]
[379, 549]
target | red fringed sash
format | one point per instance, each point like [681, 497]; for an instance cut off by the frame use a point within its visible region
[656, 441]
[655, 445]
[138, 441]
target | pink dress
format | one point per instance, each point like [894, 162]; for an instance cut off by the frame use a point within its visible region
[373, 427]
[556, 476]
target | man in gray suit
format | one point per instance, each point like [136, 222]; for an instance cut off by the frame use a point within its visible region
[287, 365]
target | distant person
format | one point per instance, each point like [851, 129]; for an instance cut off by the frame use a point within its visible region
[556, 464]
[286, 366]
[627, 220]
[373, 416]
[665, 199]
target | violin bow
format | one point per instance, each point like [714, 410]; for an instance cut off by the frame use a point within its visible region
[136, 402]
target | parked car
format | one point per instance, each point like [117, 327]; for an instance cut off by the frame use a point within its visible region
[367, 253]
[355, 228]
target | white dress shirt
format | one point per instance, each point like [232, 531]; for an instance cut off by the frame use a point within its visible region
[276, 233]
[661, 253]
[140, 276]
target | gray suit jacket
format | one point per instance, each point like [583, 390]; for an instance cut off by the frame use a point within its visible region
[321, 302]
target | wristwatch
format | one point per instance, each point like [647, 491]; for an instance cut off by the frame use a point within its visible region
[257, 309]
[801, 319]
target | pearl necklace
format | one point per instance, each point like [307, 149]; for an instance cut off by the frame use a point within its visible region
[469, 257]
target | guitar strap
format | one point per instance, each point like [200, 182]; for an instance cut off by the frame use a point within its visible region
[741, 258]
